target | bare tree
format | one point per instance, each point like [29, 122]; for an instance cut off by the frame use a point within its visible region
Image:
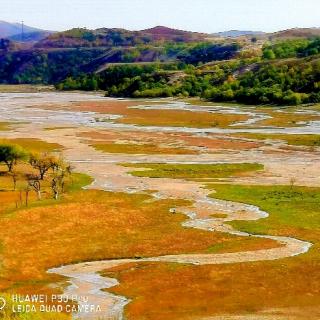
[61, 170]
[55, 187]
[34, 182]
[42, 162]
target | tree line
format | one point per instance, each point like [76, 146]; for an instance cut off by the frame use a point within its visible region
[282, 83]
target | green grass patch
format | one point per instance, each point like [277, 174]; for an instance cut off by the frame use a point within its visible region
[219, 215]
[78, 181]
[232, 246]
[3, 126]
[294, 211]
[33, 145]
[193, 171]
[130, 148]
[310, 140]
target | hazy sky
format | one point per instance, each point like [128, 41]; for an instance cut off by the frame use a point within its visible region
[195, 15]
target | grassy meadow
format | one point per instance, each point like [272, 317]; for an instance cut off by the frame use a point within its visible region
[160, 117]
[33, 145]
[4, 126]
[130, 148]
[285, 288]
[193, 171]
[176, 118]
[309, 140]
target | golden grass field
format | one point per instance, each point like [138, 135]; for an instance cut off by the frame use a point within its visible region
[4, 126]
[99, 226]
[192, 171]
[33, 145]
[287, 119]
[153, 117]
[131, 148]
[287, 287]
[310, 140]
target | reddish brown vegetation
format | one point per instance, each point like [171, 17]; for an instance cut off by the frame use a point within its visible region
[160, 117]
[172, 291]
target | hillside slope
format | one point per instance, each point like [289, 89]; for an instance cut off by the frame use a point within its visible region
[296, 33]
[106, 37]
[76, 51]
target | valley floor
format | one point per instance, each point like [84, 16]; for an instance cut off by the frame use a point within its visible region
[195, 210]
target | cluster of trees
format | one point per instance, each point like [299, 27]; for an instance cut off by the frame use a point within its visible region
[291, 48]
[82, 37]
[206, 52]
[283, 84]
[156, 80]
[311, 49]
[37, 67]
[286, 83]
[138, 81]
[44, 165]
[119, 80]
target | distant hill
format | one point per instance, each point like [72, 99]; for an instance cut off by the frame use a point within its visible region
[165, 33]
[31, 36]
[13, 31]
[105, 37]
[8, 29]
[237, 33]
[296, 33]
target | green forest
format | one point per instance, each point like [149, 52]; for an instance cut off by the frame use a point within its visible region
[286, 73]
